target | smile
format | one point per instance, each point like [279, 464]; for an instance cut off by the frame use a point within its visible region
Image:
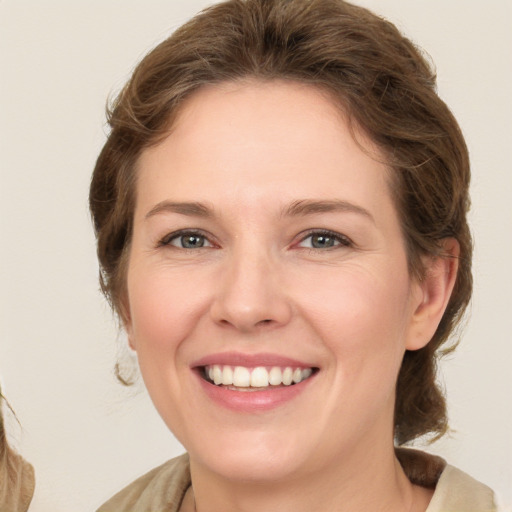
[253, 383]
[244, 378]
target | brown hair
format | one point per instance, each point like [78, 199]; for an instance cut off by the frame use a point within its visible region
[384, 84]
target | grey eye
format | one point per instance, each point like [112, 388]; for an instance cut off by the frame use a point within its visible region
[320, 241]
[324, 240]
[189, 241]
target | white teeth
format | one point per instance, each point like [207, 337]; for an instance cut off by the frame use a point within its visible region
[241, 377]
[227, 376]
[306, 373]
[217, 374]
[297, 375]
[287, 376]
[275, 376]
[259, 377]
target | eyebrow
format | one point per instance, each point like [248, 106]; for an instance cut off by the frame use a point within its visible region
[193, 209]
[302, 207]
[311, 206]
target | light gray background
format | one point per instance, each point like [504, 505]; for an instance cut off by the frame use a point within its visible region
[59, 60]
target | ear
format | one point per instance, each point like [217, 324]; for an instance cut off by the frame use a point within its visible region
[126, 321]
[129, 335]
[432, 293]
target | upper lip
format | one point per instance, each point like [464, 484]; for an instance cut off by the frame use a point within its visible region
[250, 360]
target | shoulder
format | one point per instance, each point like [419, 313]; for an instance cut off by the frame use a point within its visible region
[454, 490]
[460, 492]
[160, 489]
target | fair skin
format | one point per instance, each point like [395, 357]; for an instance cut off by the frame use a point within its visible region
[264, 236]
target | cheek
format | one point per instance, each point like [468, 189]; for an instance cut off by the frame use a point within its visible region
[163, 310]
[357, 301]
[361, 317]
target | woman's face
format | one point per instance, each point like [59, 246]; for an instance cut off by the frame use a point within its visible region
[266, 247]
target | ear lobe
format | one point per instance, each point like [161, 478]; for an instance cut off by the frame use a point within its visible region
[126, 322]
[435, 289]
[128, 329]
[129, 334]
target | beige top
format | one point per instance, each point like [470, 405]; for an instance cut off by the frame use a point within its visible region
[163, 488]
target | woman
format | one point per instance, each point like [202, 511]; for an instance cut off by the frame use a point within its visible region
[280, 210]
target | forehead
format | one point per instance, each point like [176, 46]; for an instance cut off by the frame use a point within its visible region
[258, 141]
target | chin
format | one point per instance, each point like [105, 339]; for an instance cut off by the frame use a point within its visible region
[255, 458]
[250, 468]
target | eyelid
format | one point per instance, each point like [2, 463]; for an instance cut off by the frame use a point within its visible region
[344, 240]
[167, 239]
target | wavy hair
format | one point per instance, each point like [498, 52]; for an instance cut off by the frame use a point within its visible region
[380, 79]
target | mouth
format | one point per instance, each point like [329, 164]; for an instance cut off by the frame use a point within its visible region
[259, 378]
[253, 383]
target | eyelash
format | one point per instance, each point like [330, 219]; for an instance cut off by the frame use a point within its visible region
[167, 239]
[339, 239]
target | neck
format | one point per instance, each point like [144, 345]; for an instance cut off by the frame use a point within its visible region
[368, 480]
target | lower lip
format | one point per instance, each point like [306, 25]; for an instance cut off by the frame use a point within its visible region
[253, 401]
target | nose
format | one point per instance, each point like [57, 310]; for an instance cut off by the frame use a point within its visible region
[251, 293]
